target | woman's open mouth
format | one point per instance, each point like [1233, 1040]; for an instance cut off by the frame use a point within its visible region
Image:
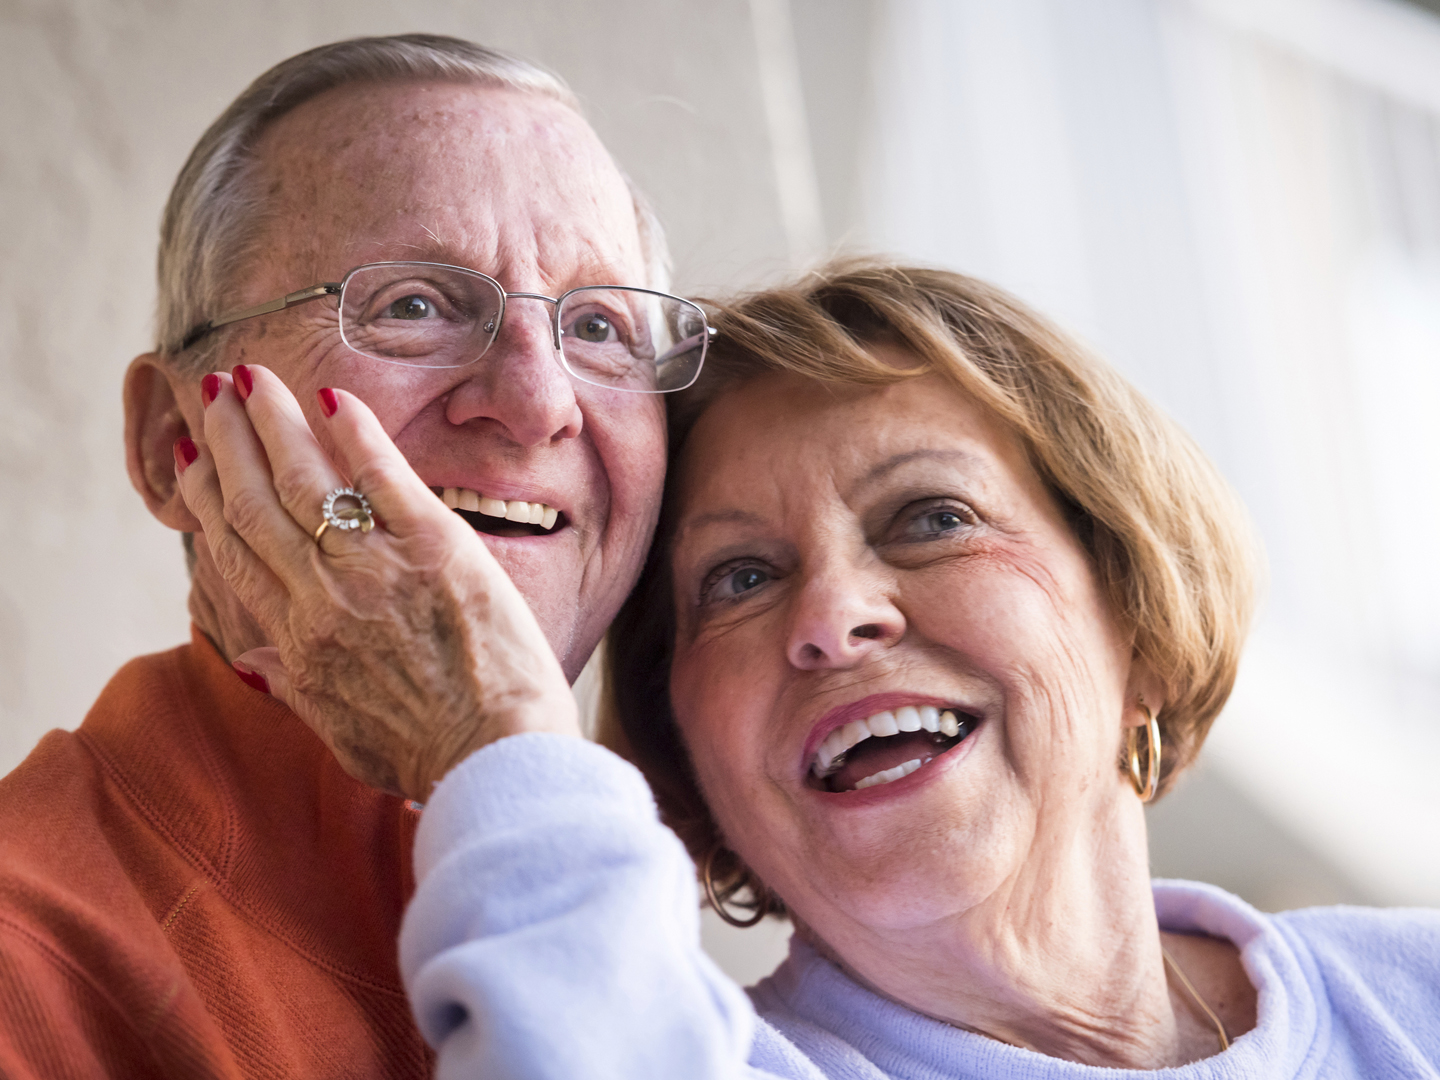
[887, 746]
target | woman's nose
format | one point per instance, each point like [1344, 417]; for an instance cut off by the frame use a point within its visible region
[841, 620]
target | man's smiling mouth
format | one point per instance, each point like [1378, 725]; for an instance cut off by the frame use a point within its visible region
[498, 517]
[887, 746]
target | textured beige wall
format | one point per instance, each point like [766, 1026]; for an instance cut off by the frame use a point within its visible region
[102, 100]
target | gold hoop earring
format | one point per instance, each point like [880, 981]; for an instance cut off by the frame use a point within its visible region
[718, 906]
[1145, 786]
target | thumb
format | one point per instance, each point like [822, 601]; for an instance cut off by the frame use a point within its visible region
[262, 670]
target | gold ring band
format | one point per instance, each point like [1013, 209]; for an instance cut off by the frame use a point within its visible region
[355, 514]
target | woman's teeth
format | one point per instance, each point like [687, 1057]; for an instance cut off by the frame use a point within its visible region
[525, 513]
[882, 724]
[889, 775]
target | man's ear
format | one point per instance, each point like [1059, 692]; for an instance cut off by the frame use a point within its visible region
[159, 406]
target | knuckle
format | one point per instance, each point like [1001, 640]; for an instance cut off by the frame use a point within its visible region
[226, 554]
[297, 487]
[244, 512]
[306, 664]
[202, 495]
[304, 678]
[377, 474]
[315, 637]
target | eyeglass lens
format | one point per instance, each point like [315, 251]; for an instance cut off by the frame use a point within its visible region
[429, 315]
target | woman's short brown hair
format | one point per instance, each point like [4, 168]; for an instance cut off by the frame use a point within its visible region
[1171, 547]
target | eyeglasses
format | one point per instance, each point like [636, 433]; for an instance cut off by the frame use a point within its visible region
[431, 315]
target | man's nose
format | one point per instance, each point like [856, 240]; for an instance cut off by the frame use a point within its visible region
[519, 383]
[843, 615]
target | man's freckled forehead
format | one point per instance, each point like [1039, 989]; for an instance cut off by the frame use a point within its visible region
[496, 180]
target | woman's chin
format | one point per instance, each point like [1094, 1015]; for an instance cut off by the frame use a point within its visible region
[902, 859]
[923, 882]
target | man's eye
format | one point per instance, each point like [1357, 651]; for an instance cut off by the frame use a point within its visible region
[594, 327]
[735, 582]
[410, 307]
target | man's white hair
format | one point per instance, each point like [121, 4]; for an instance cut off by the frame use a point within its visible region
[212, 222]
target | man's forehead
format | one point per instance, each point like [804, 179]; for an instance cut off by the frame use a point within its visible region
[447, 172]
[359, 121]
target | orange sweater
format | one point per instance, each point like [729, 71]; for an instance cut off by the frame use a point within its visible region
[191, 886]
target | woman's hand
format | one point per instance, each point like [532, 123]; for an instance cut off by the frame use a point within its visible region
[405, 648]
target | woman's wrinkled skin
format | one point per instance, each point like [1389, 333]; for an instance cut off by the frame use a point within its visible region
[844, 543]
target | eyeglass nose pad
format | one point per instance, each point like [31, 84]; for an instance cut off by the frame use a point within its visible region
[487, 327]
[492, 326]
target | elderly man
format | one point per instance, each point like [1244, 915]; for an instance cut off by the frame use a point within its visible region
[191, 883]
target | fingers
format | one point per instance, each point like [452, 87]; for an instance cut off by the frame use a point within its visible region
[367, 455]
[297, 473]
[243, 463]
[247, 574]
[302, 473]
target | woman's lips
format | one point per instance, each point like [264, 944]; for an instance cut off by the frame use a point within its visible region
[883, 760]
[902, 779]
[884, 746]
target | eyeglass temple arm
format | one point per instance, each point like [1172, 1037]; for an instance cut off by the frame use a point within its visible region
[301, 296]
[684, 345]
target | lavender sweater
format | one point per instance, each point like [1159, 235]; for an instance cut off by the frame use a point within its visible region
[554, 933]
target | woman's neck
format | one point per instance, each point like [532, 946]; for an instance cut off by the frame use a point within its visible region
[1064, 959]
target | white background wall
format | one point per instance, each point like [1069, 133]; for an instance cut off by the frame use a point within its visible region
[1194, 185]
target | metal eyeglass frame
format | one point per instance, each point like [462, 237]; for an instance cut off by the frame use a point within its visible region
[336, 288]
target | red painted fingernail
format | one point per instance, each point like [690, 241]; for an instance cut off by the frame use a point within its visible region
[185, 452]
[209, 389]
[252, 679]
[244, 381]
[328, 401]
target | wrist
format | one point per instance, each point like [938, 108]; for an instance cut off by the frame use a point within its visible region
[555, 713]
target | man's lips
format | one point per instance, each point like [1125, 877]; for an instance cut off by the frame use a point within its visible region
[502, 516]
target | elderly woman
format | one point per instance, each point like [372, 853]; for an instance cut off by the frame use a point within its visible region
[937, 603]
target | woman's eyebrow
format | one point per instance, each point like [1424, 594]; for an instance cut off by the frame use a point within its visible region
[950, 456]
[718, 517]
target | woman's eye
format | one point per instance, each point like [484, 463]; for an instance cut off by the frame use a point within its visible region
[936, 522]
[733, 583]
[410, 307]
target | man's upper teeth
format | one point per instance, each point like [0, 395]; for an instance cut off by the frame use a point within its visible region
[532, 513]
[905, 718]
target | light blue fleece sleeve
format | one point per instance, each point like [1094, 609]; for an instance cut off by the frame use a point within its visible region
[554, 930]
